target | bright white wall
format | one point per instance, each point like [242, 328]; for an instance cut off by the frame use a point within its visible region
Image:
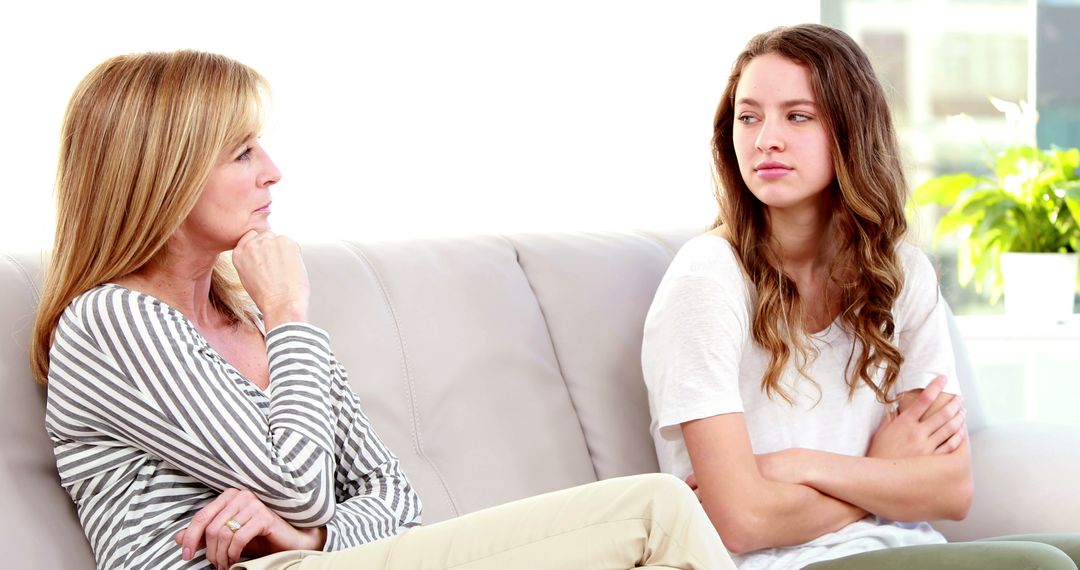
[419, 117]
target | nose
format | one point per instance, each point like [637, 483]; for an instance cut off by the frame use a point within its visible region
[269, 173]
[770, 137]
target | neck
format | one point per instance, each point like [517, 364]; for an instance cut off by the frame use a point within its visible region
[803, 238]
[180, 277]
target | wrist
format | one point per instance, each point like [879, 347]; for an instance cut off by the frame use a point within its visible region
[290, 312]
[312, 538]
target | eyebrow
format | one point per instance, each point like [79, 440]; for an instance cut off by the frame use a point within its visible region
[784, 104]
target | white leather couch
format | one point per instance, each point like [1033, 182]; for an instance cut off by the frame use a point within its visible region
[496, 367]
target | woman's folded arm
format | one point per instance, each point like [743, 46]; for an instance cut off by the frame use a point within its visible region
[749, 511]
[127, 368]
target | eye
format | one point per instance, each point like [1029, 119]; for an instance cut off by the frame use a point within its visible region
[799, 117]
[244, 155]
[746, 119]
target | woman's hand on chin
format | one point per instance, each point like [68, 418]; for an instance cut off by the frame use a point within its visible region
[272, 271]
[237, 523]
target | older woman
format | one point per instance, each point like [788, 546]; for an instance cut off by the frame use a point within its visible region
[198, 418]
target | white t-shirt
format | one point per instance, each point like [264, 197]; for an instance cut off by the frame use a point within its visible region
[700, 360]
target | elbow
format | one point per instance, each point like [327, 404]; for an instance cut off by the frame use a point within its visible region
[735, 545]
[742, 540]
[739, 531]
[963, 493]
[961, 503]
[959, 491]
[310, 505]
[953, 501]
[306, 511]
[744, 521]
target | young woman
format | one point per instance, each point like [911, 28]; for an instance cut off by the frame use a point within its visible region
[199, 419]
[797, 356]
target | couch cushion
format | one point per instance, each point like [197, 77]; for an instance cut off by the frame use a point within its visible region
[419, 324]
[594, 290]
[39, 524]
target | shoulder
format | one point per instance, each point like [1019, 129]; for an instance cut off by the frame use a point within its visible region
[110, 311]
[921, 291]
[707, 255]
[919, 272]
[704, 289]
[86, 331]
[913, 259]
[88, 308]
[705, 269]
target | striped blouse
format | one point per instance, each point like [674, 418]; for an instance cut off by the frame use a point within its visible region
[149, 424]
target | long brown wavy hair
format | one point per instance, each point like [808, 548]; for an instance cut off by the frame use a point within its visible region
[867, 198]
[139, 139]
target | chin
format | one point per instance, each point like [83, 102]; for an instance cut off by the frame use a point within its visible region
[260, 227]
[783, 197]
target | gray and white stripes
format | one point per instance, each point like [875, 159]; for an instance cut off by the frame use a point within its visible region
[149, 424]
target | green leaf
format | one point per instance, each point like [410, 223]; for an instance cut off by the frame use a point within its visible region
[943, 190]
[977, 202]
[1072, 199]
[1067, 161]
[965, 265]
[998, 217]
[951, 223]
[1015, 160]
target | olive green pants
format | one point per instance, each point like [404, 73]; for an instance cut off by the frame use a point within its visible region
[648, 521]
[1019, 552]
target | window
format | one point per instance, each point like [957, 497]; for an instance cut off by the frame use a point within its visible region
[939, 58]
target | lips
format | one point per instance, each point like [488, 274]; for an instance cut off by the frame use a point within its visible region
[770, 169]
[265, 208]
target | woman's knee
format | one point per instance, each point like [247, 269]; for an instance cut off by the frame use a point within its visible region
[1036, 556]
[667, 494]
[667, 486]
[1068, 543]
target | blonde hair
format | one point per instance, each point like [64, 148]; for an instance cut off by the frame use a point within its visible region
[867, 199]
[139, 139]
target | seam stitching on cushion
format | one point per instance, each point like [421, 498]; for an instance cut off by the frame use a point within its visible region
[410, 389]
[35, 293]
[554, 352]
[654, 237]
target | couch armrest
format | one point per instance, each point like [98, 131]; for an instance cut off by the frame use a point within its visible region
[1026, 480]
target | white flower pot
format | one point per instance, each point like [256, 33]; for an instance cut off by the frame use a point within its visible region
[1039, 285]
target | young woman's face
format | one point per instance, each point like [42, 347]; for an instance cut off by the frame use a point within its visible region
[235, 199]
[783, 150]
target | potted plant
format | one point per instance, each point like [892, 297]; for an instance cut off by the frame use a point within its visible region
[1025, 211]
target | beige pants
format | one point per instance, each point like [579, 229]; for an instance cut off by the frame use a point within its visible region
[651, 521]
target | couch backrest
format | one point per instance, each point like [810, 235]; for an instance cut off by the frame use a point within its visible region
[496, 367]
[39, 528]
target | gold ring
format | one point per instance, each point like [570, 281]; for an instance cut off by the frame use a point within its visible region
[232, 525]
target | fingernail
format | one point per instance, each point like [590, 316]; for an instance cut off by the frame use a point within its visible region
[187, 554]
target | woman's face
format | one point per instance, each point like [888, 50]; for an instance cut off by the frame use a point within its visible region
[783, 150]
[235, 199]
